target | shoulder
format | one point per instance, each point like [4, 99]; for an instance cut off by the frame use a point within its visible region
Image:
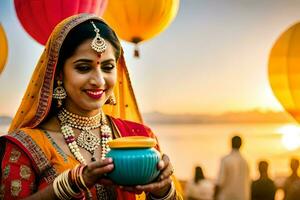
[26, 137]
[33, 142]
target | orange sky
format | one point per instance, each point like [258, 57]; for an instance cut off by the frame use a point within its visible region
[211, 59]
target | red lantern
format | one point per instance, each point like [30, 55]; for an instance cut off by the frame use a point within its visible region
[39, 17]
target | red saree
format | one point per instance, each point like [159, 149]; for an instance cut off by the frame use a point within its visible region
[31, 160]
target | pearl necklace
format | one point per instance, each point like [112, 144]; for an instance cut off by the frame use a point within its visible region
[86, 139]
[80, 122]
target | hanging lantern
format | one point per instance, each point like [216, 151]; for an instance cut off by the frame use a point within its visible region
[139, 20]
[3, 49]
[284, 70]
[39, 17]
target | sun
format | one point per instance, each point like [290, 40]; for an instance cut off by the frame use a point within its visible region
[290, 136]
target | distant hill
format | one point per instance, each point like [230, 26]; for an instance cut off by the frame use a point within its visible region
[5, 120]
[253, 116]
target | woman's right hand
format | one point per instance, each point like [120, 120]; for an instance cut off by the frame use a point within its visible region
[94, 172]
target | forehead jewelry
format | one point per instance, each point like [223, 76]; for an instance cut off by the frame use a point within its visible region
[98, 43]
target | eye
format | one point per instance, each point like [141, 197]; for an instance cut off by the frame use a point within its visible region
[83, 68]
[108, 67]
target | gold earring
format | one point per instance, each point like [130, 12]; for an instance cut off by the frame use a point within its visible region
[59, 93]
[111, 100]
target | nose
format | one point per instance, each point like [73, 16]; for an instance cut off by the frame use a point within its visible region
[97, 78]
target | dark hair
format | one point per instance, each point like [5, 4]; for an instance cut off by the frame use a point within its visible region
[77, 36]
[263, 166]
[198, 174]
[236, 142]
[81, 33]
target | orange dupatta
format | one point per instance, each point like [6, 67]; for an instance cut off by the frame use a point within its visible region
[37, 99]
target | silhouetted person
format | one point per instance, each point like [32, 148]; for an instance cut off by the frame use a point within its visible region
[263, 188]
[233, 182]
[199, 188]
[292, 184]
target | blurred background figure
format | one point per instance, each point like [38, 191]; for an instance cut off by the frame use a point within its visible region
[233, 182]
[199, 188]
[264, 187]
[292, 184]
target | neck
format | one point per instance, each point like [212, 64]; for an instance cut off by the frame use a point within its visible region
[264, 175]
[81, 112]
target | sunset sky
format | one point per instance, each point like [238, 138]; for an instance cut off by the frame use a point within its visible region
[212, 59]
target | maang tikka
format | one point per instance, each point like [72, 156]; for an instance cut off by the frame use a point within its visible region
[59, 93]
[98, 43]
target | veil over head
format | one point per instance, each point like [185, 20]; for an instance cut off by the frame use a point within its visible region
[36, 102]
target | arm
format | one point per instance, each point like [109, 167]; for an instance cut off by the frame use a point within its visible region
[163, 185]
[19, 176]
[220, 180]
[19, 179]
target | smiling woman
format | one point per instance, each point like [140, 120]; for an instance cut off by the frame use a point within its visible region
[89, 78]
[57, 143]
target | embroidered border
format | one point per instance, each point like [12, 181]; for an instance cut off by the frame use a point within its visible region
[57, 148]
[55, 45]
[46, 170]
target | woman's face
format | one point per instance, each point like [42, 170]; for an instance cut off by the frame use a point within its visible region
[89, 78]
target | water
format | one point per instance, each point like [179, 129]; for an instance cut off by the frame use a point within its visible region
[205, 144]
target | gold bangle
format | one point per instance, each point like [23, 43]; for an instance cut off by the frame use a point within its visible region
[62, 187]
[170, 194]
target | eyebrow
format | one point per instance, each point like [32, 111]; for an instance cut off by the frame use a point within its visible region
[90, 61]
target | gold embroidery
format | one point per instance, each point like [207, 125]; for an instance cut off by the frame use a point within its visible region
[25, 172]
[6, 171]
[15, 188]
[14, 156]
[2, 191]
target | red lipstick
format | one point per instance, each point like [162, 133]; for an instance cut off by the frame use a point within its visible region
[94, 94]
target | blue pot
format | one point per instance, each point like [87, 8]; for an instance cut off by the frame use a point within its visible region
[134, 166]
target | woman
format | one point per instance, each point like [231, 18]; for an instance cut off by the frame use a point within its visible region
[53, 149]
[199, 188]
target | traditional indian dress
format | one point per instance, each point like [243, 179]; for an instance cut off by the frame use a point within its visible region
[30, 158]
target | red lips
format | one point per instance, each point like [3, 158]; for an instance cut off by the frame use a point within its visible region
[95, 94]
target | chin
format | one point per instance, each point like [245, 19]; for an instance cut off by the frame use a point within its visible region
[94, 106]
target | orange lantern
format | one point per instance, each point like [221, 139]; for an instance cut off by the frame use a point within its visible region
[284, 70]
[3, 49]
[139, 20]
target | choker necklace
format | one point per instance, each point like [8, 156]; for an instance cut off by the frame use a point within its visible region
[86, 139]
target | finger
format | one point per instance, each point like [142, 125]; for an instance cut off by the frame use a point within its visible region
[167, 172]
[99, 163]
[154, 186]
[102, 170]
[91, 174]
[164, 162]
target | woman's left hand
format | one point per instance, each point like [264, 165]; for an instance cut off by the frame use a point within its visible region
[161, 186]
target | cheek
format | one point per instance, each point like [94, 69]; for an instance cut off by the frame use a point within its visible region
[112, 80]
[72, 82]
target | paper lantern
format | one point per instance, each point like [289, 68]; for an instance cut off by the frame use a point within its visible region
[284, 70]
[3, 49]
[39, 17]
[139, 20]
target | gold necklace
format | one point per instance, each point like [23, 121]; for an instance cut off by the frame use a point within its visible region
[86, 138]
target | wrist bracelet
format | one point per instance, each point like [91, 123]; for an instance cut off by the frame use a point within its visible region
[170, 194]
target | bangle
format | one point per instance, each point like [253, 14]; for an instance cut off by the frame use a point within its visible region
[170, 194]
[62, 187]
